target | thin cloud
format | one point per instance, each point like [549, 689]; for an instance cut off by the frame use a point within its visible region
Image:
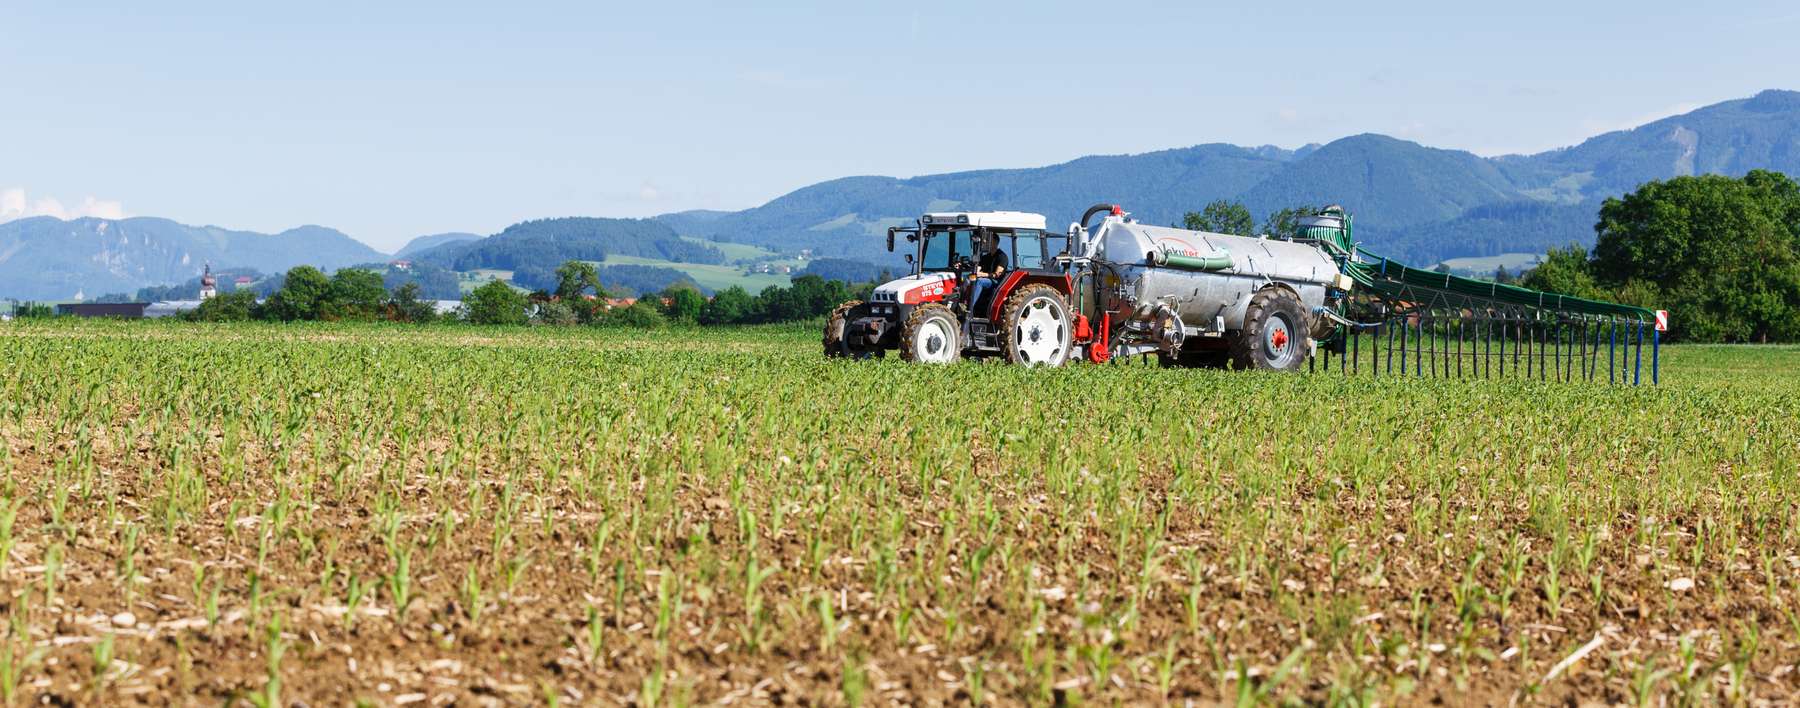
[1597, 126]
[16, 204]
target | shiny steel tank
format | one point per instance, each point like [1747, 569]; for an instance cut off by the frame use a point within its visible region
[1204, 276]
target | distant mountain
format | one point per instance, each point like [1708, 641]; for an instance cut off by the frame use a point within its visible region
[424, 243]
[50, 259]
[1411, 202]
[1730, 138]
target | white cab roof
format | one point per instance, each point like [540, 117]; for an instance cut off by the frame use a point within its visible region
[991, 219]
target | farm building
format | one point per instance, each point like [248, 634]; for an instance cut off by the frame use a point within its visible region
[124, 310]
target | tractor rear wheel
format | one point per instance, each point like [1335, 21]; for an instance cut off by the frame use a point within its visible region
[1274, 334]
[932, 335]
[1036, 327]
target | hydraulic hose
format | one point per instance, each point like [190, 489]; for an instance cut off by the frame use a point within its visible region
[1095, 209]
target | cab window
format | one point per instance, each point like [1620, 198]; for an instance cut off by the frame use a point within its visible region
[944, 247]
[1028, 249]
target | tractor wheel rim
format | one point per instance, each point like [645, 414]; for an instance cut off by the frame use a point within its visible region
[935, 343]
[1039, 332]
[1278, 340]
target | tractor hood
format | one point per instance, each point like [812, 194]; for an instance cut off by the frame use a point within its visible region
[915, 289]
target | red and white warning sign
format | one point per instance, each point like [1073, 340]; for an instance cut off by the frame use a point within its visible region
[1662, 320]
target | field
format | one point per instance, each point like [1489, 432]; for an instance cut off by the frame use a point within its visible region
[337, 514]
[713, 277]
[735, 251]
[470, 280]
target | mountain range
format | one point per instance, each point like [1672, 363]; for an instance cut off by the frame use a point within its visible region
[1415, 203]
[1411, 202]
[48, 258]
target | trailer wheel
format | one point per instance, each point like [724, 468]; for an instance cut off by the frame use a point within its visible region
[1274, 334]
[932, 335]
[1036, 327]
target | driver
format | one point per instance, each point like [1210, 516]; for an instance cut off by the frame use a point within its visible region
[987, 270]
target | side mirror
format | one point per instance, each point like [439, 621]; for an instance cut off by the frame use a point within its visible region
[909, 259]
[890, 239]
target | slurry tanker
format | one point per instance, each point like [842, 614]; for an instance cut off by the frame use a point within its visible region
[1121, 288]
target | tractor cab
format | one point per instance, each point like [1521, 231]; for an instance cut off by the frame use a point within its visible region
[928, 314]
[952, 242]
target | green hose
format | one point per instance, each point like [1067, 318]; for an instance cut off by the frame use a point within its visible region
[1218, 261]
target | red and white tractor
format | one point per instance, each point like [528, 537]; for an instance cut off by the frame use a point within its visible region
[929, 316]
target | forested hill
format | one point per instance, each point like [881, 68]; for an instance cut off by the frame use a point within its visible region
[545, 243]
[1415, 203]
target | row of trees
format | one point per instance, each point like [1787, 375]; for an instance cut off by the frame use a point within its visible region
[1722, 255]
[579, 299]
[306, 293]
[1224, 216]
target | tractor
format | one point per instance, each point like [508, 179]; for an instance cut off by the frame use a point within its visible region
[930, 316]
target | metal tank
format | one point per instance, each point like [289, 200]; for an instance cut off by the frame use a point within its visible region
[1160, 285]
[1208, 276]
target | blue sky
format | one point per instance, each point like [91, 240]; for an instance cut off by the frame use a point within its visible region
[394, 119]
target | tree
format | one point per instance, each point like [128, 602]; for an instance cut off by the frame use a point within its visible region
[1564, 271]
[495, 303]
[302, 292]
[814, 296]
[640, 314]
[729, 306]
[683, 303]
[405, 305]
[234, 306]
[356, 294]
[577, 278]
[1223, 217]
[775, 304]
[1285, 223]
[1721, 254]
[33, 310]
[555, 313]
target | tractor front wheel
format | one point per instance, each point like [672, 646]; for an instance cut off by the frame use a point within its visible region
[1036, 327]
[1274, 334]
[837, 345]
[932, 335]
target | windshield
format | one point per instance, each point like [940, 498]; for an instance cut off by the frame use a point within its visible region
[942, 245]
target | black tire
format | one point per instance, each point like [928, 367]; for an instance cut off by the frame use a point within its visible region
[1036, 319]
[833, 341]
[1274, 335]
[932, 334]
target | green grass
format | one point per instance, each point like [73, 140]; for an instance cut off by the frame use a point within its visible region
[470, 280]
[736, 251]
[602, 515]
[712, 277]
